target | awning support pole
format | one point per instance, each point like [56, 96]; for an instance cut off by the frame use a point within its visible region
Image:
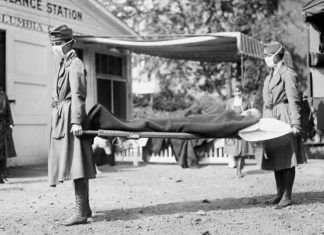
[242, 71]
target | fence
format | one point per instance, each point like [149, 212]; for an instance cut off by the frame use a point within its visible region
[215, 155]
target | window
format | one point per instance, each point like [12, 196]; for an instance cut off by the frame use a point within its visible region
[104, 93]
[111, 84]
[108, 64]
[119, 98]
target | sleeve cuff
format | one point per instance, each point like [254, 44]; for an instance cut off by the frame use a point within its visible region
[297, 126]
[76, 121]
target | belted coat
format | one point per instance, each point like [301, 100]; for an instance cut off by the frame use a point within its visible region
[70, 157]
[282, 101]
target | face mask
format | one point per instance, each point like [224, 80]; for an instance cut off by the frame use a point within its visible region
[58, 51]
[270, 59]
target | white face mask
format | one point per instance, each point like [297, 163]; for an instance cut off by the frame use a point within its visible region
[58, 51]
[270, 59]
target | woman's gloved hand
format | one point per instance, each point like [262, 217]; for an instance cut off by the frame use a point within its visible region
[295, 130]
[76, 129]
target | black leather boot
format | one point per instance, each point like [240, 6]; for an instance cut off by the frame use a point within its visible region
[88, 209]
[289, 177]
[280, 188]
[2, 171]
[80, 213]
[1, 178]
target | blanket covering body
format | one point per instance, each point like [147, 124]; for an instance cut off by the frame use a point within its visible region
[220, 125]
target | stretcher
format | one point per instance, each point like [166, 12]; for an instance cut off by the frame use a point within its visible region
[101, 122]
[264, 129]
[138, 135]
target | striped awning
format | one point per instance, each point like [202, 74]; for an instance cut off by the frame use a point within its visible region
[218, 47]
[313, 7]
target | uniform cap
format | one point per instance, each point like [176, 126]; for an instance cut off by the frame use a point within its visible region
[272, 47]
[61, 33]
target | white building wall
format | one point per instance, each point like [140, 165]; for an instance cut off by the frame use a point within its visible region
[31, 66]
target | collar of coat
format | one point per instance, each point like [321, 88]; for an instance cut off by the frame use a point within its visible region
[275, 79]
[69, 57]
[280, 71]
[283, 68]
[277, 67]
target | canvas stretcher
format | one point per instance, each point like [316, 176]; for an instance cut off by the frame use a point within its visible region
[101, 122]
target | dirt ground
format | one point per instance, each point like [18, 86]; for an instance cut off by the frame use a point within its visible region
[165, 199]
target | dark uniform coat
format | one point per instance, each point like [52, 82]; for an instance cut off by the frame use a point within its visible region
[238, 147]
[7, 148]
[70, 157]
[282, 101]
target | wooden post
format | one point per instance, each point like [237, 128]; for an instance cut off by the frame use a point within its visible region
[242, 72]
[135, 157]
[309, 89]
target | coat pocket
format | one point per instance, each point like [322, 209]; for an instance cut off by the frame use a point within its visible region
[58, 124]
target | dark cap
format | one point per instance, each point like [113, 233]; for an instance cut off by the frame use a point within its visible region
[61, 33]
[272, 47]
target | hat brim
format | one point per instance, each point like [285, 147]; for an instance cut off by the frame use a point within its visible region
[55, 38]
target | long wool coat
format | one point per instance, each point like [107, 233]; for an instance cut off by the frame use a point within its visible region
[7, 148]
[238, 147]
[70, 157]
[282, 101]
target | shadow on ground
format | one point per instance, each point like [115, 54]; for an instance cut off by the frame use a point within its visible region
[257, 172]
[41, 170]
[27, 171]
[194, 206]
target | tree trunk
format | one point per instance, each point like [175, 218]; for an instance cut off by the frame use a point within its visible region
[229, 82]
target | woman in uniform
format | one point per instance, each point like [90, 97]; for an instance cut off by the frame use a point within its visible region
[70, 156]
[282, 101]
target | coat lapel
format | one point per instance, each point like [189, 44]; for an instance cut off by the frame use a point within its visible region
[267, 80]
[274, 80]
[62, 69]
[63, 76]
[70, 57]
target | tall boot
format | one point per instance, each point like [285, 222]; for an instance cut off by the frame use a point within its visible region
[79, 216]
[1, 177]
[280, 188]
[2, 171]
[87, 209]
[289, 177]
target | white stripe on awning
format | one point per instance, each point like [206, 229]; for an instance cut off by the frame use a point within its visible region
[313, 7]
